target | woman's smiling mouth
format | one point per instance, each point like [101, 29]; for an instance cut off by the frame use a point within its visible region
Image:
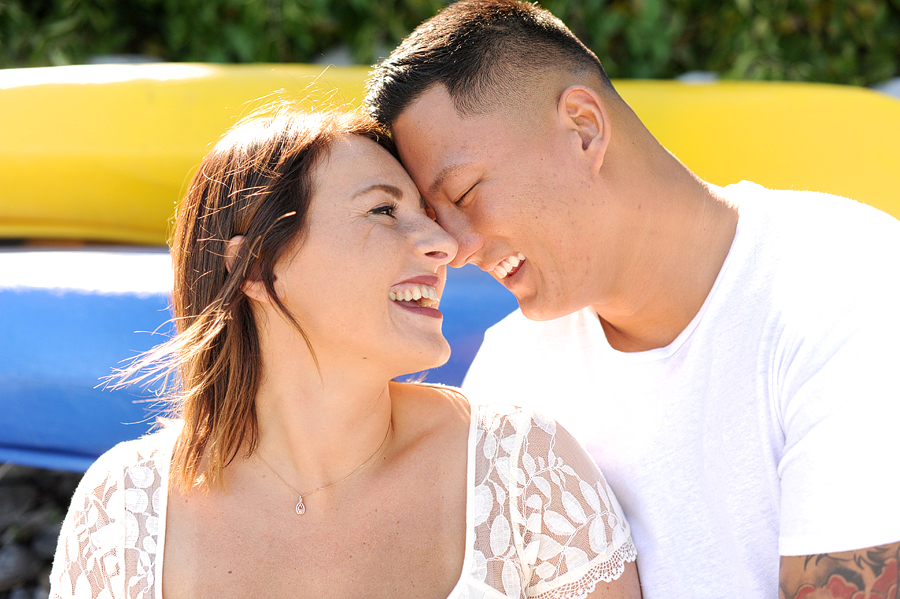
[416, 294]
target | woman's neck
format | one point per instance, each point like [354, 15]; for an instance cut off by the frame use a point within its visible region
[318, 424]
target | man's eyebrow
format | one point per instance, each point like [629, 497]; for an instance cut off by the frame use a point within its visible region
[442, 176]
[388, 189]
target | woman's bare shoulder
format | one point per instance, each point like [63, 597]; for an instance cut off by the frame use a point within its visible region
[429, 408]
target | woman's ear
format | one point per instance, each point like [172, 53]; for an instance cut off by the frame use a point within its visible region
[231, 250]
[582, 110]
[252, 288]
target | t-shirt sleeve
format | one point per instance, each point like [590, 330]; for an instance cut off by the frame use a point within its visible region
[841, 405]
[562, 521]
[838, 384]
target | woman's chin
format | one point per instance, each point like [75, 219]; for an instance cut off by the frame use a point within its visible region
[430, 360]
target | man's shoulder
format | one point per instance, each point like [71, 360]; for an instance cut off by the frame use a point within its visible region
[817, 274]
[799, 210]
[520, 355]
[807, 239]
[518, 341]
[517, 328]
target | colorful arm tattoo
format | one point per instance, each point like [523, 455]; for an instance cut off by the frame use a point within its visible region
[865, 574]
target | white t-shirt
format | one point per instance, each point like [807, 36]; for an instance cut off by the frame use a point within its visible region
[540, 519]
[768, 426]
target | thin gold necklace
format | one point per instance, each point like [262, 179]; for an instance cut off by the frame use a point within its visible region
[301, 507]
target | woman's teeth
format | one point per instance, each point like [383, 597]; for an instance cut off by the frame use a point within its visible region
[507, 266]
[425, 295]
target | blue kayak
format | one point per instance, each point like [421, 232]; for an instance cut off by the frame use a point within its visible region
[68, 317]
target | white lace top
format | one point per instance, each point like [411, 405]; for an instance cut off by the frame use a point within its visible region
[541, 520]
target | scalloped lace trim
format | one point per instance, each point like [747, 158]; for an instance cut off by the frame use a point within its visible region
[607, 571]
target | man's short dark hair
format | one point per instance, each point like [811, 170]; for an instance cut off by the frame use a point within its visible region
[485, 52]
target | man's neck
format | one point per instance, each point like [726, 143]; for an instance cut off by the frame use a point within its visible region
[673, 280]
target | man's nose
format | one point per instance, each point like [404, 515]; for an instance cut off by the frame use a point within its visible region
[468, 243]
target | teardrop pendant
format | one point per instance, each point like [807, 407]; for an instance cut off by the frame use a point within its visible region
[301, 508]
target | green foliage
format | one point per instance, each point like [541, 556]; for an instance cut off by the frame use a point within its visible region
[839, 41]
[842, 41]
[54, 32]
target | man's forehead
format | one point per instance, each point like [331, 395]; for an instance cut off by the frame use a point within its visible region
[432, 140]
[437, 144]
[432, 105]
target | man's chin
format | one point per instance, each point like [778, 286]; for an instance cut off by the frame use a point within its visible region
[533, 309]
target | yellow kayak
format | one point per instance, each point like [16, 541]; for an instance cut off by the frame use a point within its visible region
[103, 152]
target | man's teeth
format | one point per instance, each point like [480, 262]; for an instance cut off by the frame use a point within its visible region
[425, 295]
[505, 267]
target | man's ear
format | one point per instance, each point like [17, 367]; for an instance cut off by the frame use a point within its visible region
[252, 288]
[582, 110]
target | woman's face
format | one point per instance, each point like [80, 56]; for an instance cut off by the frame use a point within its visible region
[369, 246]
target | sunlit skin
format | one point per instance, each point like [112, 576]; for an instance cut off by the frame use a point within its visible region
[604, 215]
[363, 240]
[499, 192]
[369, 233]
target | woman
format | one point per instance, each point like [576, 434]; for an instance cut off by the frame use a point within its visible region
[307, 277]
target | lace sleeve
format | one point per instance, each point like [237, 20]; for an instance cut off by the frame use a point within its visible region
[560, 517]
[87, 564]
[107, 545]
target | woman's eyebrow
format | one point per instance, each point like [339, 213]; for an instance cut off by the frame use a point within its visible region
[388, 189]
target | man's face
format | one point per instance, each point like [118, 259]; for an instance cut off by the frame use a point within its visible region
[507, 190]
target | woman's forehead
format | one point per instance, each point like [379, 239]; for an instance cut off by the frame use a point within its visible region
[355, 163]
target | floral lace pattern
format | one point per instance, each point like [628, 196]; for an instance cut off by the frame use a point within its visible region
[107, 546]
[546, 524]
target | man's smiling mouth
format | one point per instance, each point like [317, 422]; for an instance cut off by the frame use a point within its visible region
[509, 266]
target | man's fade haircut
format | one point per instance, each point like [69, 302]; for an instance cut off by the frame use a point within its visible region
[487, 53]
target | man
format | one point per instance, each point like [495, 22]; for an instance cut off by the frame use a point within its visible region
[728, 355]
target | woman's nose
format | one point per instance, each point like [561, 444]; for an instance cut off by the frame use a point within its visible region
[439, 244]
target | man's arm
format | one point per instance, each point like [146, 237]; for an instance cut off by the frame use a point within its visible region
[865, 574]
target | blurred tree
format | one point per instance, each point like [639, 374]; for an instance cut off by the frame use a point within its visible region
[840, 41]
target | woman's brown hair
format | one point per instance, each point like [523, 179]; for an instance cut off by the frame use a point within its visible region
[256, 182]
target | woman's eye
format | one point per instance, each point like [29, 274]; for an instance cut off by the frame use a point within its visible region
[386, 209]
